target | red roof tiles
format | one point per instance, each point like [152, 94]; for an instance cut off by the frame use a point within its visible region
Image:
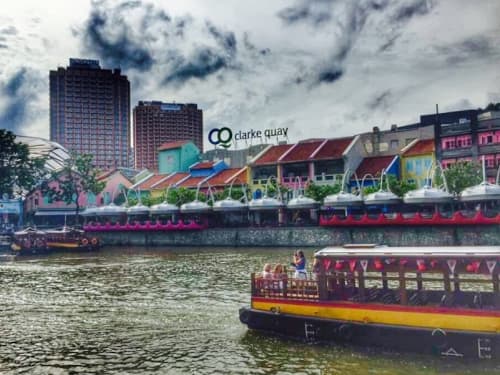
[374, 165]
[222, 178]
[172, 145]
[424, 146]
[272, 155]
[301, 151]
[172, 180]
[146, 185]
[333, 148]
[191, 182]
[203, 165]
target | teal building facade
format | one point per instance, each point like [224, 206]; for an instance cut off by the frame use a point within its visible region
[177, 156]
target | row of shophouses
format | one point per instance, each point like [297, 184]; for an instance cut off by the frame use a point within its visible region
[407, 152]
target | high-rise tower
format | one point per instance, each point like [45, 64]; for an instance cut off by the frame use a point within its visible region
[90, 112]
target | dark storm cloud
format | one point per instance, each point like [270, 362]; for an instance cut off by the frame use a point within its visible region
[136, 35]
[9, 30]
[3, 46]
[106, 34]
[329, 76]
[380, 100]
[476, 47]
[204, 62]
[314, 13]
[18, 91]
[252, 47]
[410, 9]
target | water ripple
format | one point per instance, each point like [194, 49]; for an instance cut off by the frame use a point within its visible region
[161, 311]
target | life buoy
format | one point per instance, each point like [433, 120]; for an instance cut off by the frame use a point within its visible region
[345, 332]
[94, 241]
[85, 241]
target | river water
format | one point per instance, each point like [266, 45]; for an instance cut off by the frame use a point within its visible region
[164, 311]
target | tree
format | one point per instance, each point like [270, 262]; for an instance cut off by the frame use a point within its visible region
[319, 192]
[398, 187]
[18, 171]
[461, 175]
[77, 177]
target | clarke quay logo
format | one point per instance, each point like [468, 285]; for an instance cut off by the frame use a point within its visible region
[224, 136]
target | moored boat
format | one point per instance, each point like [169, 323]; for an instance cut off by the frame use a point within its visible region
[439, 300]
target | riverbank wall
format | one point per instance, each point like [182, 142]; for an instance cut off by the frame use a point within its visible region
[311, 236]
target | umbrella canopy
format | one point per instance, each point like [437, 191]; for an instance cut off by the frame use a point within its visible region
[265, 203]
[482, 192]
[302, 202]
[427, 194]
[382, 197]
[195, 207]
[229, 204]
[343, 199]
[164, 208]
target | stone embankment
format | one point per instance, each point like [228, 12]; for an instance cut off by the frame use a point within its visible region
[311, 236]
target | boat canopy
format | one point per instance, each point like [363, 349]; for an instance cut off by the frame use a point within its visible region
[90, 211]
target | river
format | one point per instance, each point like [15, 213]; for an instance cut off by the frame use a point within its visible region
[164, 311]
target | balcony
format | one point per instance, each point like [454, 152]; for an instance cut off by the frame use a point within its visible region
[328, 179]
[489, 124]
[453, 129]
[456, 153]
[492, 148]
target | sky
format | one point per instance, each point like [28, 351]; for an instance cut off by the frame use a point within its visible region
[323, 68]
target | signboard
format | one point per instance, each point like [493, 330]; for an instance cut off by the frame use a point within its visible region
[224, 136]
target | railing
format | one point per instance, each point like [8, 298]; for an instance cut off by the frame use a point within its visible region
[147, 226]
[284, 286]
[458, 218]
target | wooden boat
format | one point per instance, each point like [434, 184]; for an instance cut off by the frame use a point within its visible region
[29, 241]
[70, 238]
[439, 300]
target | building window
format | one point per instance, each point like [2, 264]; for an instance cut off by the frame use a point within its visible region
[394, 144]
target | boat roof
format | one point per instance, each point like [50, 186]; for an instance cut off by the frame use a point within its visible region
[373, 251]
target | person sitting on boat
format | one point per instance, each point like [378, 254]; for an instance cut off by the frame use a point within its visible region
[279, 274]
[267, 271]
[299, 262]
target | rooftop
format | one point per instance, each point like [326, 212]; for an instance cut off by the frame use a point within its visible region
[374, 165]
[191, 182]
[301, 151]
[272, 155]
[149, 182]
[170, 180]
[203, 165]
[172, 145]
[226, 176]
[333, 148]
[424, 146]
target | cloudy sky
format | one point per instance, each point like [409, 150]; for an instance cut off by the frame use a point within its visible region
[321, 68]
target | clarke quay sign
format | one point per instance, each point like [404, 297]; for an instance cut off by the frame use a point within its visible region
[224, 136]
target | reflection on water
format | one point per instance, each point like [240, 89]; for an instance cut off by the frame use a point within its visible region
[170, 311]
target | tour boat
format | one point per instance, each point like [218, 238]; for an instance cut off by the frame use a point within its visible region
[70, 238]
[439, 300]
[31, 241]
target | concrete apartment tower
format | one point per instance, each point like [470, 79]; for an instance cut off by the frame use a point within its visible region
[156, 123]
[90, 112]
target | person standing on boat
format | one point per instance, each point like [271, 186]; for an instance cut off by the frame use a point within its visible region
[299, 262]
